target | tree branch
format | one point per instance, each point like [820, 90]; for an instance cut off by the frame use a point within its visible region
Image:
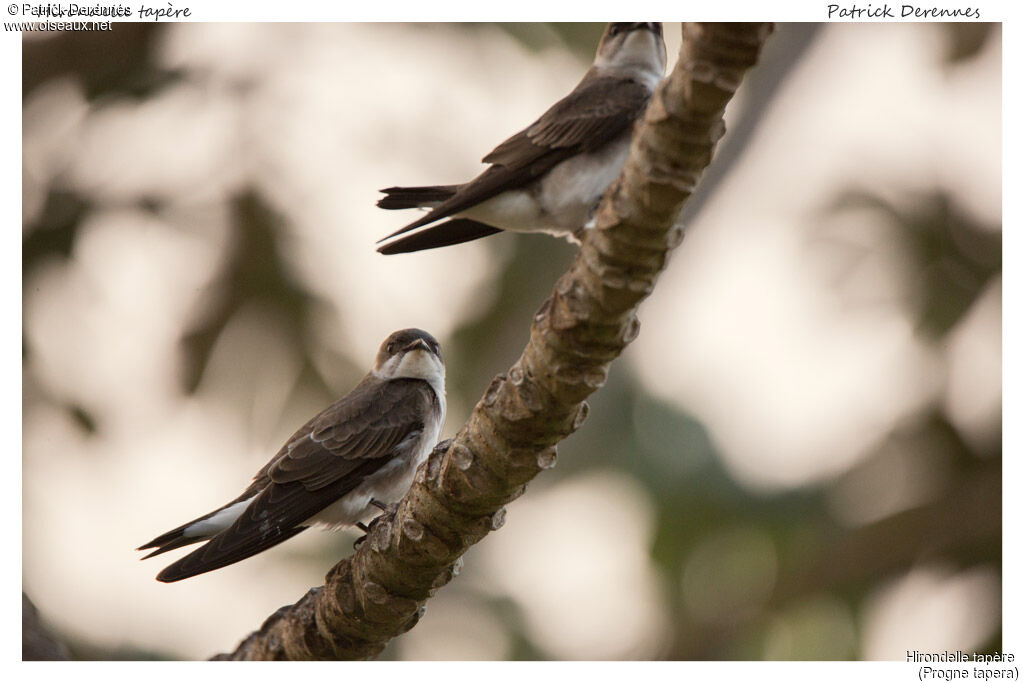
[459, 493]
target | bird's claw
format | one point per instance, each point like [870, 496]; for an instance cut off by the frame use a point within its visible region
[388, 510]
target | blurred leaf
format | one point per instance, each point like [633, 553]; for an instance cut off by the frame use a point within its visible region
[488, 344]
[51, 236]
[581, 38]
[961, 524]
[965, 40]
[818, 627]
[253, 273]
[83, 418]
[953, 255]
[54, 231]
[119, 60]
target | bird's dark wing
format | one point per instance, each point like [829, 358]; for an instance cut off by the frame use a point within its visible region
[369, 424]
[583, 121]
[597, 111]
[176, 538]
[275, 515]
[454, 231]
[324, 460]
[414, 197]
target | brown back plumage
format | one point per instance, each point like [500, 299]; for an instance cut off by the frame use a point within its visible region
[599, 110]
[324, 459]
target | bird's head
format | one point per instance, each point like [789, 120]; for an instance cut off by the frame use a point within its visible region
[632, 46]
[410, 354]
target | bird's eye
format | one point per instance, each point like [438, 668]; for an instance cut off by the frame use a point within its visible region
[390, 348]
[615, 29]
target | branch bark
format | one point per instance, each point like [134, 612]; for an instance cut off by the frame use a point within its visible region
[459, 494]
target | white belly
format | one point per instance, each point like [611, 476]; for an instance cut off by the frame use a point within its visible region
[562, 201]
[570, 191]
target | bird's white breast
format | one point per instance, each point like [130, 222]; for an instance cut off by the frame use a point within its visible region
[421, 364]
[571, 190]
[562, 201]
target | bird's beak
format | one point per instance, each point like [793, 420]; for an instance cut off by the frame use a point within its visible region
[418, 344]
[649, 26]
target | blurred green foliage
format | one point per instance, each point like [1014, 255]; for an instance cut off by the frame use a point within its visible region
[821, 571]
[952, 256]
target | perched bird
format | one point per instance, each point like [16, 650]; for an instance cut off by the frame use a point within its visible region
[550, 176]
[360, 452]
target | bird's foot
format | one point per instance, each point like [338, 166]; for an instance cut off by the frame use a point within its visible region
[387, 511]
[362, 539]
